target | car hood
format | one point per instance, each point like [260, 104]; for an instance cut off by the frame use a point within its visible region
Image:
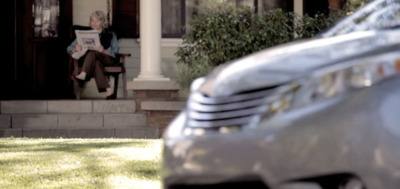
[282, 64]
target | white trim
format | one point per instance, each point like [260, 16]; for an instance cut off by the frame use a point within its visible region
[171, 42]
[168, 42]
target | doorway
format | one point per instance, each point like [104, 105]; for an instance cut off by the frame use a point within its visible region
[35, 66]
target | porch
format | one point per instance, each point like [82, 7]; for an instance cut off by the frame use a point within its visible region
[86, 118]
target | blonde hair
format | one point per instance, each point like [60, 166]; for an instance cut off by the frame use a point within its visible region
[101, 16]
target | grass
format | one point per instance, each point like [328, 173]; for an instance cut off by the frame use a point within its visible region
[80, 163]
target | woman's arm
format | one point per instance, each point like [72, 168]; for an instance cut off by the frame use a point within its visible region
[113, 49]
[71, 47]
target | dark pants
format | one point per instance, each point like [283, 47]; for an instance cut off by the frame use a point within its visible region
[93, 65]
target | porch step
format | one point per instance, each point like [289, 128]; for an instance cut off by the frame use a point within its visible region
[74, 118]
[135, 132]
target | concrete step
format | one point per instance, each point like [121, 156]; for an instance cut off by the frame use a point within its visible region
[160, 105]
[136, 132]
[74, 118]
[67, 106]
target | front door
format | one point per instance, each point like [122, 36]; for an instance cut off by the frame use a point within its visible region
[35, 63]
[8, 60]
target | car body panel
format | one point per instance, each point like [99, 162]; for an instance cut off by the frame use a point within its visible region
[301, 146]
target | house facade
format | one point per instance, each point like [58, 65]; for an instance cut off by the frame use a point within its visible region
[38, 31]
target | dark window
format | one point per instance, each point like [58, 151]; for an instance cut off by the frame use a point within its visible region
[45, 18]
[173, 18]
[126, 18]
[313, 7]
[263, 5]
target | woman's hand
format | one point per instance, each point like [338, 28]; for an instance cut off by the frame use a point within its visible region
[78, 47]
[100, 48]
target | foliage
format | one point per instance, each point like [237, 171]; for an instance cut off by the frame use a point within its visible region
[307, 27]
[188, 72]
[352, 5]
[223, 33]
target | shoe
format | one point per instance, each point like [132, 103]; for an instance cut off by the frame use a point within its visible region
[81, 82]
[113, 96]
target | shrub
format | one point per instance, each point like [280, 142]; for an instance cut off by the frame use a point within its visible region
[188, 72]
[225, 33]
[352, 5]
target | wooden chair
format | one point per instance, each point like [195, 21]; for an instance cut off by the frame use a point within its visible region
[113, 70]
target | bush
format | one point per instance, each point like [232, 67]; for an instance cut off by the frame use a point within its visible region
[225, 33]
[189, 72]
[352, 5]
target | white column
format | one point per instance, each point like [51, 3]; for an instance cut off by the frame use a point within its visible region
[150, 41]
[298, 7]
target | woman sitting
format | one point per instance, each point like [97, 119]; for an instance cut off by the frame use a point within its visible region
[94, 60]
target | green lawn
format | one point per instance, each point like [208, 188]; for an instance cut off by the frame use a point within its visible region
[80, 163]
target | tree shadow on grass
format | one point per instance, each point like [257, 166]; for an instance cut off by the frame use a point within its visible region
[148, 169]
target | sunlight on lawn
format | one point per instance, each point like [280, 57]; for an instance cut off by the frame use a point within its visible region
[124, 182]
[80, 163]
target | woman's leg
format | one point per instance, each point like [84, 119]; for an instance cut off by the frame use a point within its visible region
[88, 66]
[100, 78]
[93, 66]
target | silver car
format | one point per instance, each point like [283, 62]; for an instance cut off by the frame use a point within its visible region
[322, 113]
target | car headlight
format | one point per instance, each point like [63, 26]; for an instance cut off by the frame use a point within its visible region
[338, 79]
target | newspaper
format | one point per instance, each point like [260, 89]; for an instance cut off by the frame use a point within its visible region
[89, 39]
[77, 55]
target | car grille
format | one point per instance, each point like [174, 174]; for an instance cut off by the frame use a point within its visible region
[236, 110]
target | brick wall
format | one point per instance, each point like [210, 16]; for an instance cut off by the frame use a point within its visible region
[160, 119]
[148, 95]
[335, 5]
